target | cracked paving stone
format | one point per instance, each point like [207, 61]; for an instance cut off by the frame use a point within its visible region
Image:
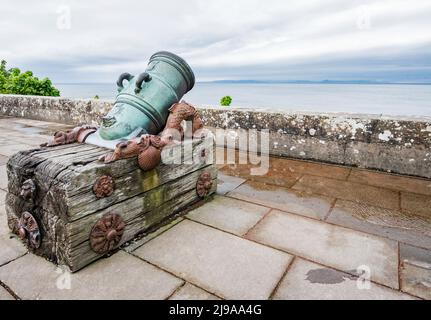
[120, 276]
[228, 214]
[228, 266]
[309, 281]
[227, 183]
[416, 204]
[330, 245]
[191, 292]
[301, 203]
[345, 190]
[393, 224]
[4, 295]
[391, 181]
[415, 271]
[11, 248]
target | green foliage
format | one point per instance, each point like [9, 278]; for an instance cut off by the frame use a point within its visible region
[13, 81]
[96, 97]
[3, 75]
[226, 101]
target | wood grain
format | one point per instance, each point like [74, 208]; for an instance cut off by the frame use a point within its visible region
[66, 208]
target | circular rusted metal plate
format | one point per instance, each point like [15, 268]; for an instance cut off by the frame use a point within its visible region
[107, 233]
[104, 187]
[204, 184]
[28, 230]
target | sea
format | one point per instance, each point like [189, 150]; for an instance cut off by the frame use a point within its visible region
[380, 99]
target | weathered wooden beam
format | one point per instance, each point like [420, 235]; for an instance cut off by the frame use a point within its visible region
[66, 207]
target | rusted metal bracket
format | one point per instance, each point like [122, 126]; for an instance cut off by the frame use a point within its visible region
[180, 112]
[204, 184]
[107, 233]
[148, 148]
[28, 230]
[78, 134]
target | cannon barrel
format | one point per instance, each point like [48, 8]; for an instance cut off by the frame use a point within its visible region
[142, 103]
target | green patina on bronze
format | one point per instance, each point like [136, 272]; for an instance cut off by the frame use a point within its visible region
[143, 103]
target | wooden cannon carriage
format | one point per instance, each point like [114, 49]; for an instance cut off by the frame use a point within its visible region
[71, 208]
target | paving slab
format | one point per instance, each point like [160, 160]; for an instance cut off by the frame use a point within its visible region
[415, 271]
[393, 224]
[121, 276]
[10, 150]
[309, 281]
[221, 263]
[5, 295]
[136, 243]
[4, 229]
[34, 123]
[2, 196]
[230, 215]
[277, 176]
[285, 172]
[313, 168]
[3, 177]
[227, 183]
[391, 181]
[11, 248]
[33, 140]
[3, 160]
[330, 245]
[416, 204]
[346, 190]
[226, 156]
[191, 292]
[302, 203]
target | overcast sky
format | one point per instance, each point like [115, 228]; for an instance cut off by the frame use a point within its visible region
[95, 41]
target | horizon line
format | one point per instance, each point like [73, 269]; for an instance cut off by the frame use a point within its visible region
[251, 81]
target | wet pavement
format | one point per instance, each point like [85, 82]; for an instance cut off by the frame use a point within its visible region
[304, 230]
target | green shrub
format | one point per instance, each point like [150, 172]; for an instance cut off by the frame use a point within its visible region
[96, 97]
[13, 81]
[226, 101]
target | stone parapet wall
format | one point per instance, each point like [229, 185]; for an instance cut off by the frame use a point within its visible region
[68, 111]
[397, 144]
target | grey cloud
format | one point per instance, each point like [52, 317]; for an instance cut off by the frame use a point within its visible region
[222, 39]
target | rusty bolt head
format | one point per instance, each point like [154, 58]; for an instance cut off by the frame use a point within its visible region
[104, 187]
[204, 184]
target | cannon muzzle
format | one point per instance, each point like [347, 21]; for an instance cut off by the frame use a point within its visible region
[142, 103]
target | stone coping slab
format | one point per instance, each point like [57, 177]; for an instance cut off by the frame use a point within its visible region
[399, 144]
